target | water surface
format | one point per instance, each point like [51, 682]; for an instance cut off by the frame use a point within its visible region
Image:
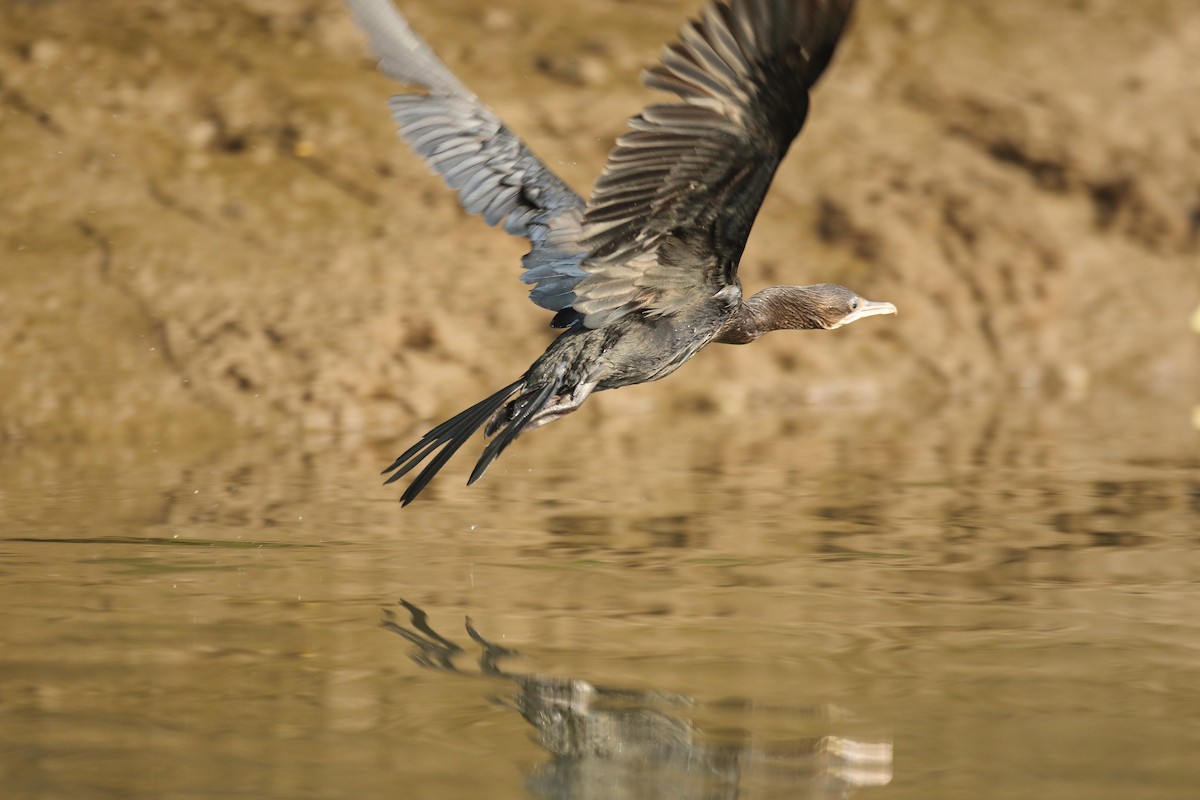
[983, 602]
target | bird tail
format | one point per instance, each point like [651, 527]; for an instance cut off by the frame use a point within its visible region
[449, 436]
[510, 422]
[508, 419]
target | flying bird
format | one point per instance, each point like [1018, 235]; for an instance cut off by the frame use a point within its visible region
[643, 274]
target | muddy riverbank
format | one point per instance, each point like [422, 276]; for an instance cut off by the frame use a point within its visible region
[209, 224]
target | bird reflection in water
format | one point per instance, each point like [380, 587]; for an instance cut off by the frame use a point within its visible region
[612, 743]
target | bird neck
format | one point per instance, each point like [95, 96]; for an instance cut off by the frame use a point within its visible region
[773, 309]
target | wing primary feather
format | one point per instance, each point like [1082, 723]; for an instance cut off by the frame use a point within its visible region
[720, 36]
[466, 142]
[680, 191]
[693, 36]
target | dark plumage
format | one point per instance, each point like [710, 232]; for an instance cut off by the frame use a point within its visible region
[643, 274]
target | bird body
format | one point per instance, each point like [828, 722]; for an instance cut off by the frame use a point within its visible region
[643, 274]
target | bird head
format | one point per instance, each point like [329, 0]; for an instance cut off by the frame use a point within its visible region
[834, 306]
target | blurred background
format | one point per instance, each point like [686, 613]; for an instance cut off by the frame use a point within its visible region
[210, 227]
[229, 294]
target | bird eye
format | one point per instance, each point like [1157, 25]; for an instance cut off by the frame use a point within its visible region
[854, 304]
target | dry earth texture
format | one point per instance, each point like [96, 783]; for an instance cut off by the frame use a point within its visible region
[209, 226]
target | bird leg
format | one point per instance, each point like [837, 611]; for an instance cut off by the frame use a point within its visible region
[561, 406]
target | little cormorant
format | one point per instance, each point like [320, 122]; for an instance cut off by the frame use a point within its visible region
[643, 274]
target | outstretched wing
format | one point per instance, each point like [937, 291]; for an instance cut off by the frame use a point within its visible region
[494, 173]
[669, 216]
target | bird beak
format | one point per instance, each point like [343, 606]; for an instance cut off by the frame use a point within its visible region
[868, 308]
